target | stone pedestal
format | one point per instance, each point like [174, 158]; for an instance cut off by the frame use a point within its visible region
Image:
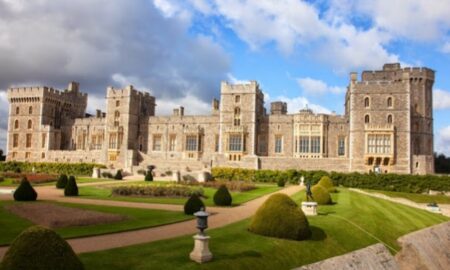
[176, 176]
[201, 251]
[96, 173]
[302, 181]
[309, 208]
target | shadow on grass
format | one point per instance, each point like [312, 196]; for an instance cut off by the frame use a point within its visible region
[317, 234]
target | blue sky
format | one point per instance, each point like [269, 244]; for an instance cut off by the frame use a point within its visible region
[300, 52]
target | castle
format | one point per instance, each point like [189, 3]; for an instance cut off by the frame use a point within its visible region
[387, 127]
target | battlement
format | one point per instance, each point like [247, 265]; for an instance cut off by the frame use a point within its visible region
[394, 72]
[44, 92]
[250, 87]
[127, 91]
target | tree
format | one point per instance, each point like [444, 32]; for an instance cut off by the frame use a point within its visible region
[2, 157]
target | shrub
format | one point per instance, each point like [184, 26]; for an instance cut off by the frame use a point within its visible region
[193, 204]
[71, 188]
[321, 195]
[240, 186]
[50, 167]
[149, 176]
[40, 248]
[280, 182]
[62, 181]
[2, 179]
[156, 191]
[107, 175]
[222, 197]
[280, 217]
[118, 175]
[326, 182]
[25, 192]
[142, 172]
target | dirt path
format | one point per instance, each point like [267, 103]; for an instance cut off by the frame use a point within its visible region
[445, 208]
[221, 217]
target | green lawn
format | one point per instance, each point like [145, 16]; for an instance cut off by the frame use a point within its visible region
[356, 221]
[80, 180]
[415, 197]
[7, 182]
[238, 197]
[11, 225]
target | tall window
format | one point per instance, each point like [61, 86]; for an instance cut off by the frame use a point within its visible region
[191, 143]
[172, 142]
[117, 103]
[366, 102]
[379, 144]
[44, 138]
[262, 143]
[341, 146]
[116, 118]
[389, 102]
[16, 124]
[367, 119]
[304, 144]
[112, 141]
[156, 142]
[235, 143]
[278, 144]
[30, 124]
[237, 116]
[389, 119]
[315, 144]
[17, 110]
[237, 99]
[28, 142]
[15, 140]
[30, 110]
[217, 143]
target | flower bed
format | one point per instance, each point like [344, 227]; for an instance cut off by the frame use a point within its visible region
[240, 186]
[156, 191]
[36, 178]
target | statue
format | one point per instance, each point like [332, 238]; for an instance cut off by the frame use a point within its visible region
[308, 191]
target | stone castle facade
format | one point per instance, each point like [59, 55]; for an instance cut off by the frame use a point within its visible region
[387, 127]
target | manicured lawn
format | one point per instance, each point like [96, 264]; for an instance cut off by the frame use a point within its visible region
[418, 198]
[11, 225]
[238, 197]
[7, 182]
[356, 221]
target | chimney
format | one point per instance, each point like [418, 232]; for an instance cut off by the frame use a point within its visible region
[98, 113]
[73, 86]
[278, 107]
[178, 111]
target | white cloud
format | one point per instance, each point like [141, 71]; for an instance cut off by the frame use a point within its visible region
[443, 141]
[317, 87]
[446, 47]
[4, 106]
[235, 80]
[296, 104]
[192, 105]
[441, 99]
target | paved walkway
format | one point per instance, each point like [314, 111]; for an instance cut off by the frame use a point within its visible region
[445, 208]
[221, 216]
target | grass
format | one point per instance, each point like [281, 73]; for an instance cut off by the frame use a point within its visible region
[354, 222]
[415, 197]
[238, 197]
[11, 225]
[8, 182]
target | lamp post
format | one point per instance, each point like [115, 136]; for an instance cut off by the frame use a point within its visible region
[201, 251]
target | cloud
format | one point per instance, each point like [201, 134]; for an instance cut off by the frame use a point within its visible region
[446, 47]
[4, 106]
[443, 141]
[317, 87]
[441, 99]
[296, 104]
[235, 80]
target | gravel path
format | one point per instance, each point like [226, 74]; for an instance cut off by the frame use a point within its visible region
[221, 216]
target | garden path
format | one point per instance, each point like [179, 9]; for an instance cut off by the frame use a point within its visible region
[221, 216]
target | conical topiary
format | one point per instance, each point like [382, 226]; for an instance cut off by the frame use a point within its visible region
[193, 204]
[321, 195]
[62, 181]
[71, 188]
[327, 183]
[39, 248]
[25, 192]
[222, 197]
[118, 175]
[280, 217]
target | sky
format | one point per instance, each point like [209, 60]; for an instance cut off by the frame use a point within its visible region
[300, 52]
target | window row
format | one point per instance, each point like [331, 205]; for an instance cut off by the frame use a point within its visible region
[389, 102]
[389, 119]
[29, 124]
[379, 144]
[30, 110]
[307, 144]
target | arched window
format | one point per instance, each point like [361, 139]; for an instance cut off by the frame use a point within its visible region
[16, 124]
[237, 116]
[30, 124]
[116, 114]
[367, 119]
[366, 102]
[30, 110]
[17, 110]
[237, 99]
[389, 119]
[389, 102]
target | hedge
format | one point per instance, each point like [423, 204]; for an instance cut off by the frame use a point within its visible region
[389, 182]
[48, 167]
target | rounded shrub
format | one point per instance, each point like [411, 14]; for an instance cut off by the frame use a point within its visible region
[281, 182]
[222, 197]
[193, 204]
[39, 248]
[71, 188]
[149, 176]
[62, 181]
[321, 194]
[118, 175]
[280, 217]
[327, 183]
[25, 192]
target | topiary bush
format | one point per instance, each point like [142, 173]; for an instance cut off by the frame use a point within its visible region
[62, 181]
[321, 195]
[71, 188]
[222, 197]
[25, 192]
[2, 179]
[280, 217]
[118, 175]
[326, 182]
[39, 248]
[149, 176]
[281, 182]
[193, 204]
